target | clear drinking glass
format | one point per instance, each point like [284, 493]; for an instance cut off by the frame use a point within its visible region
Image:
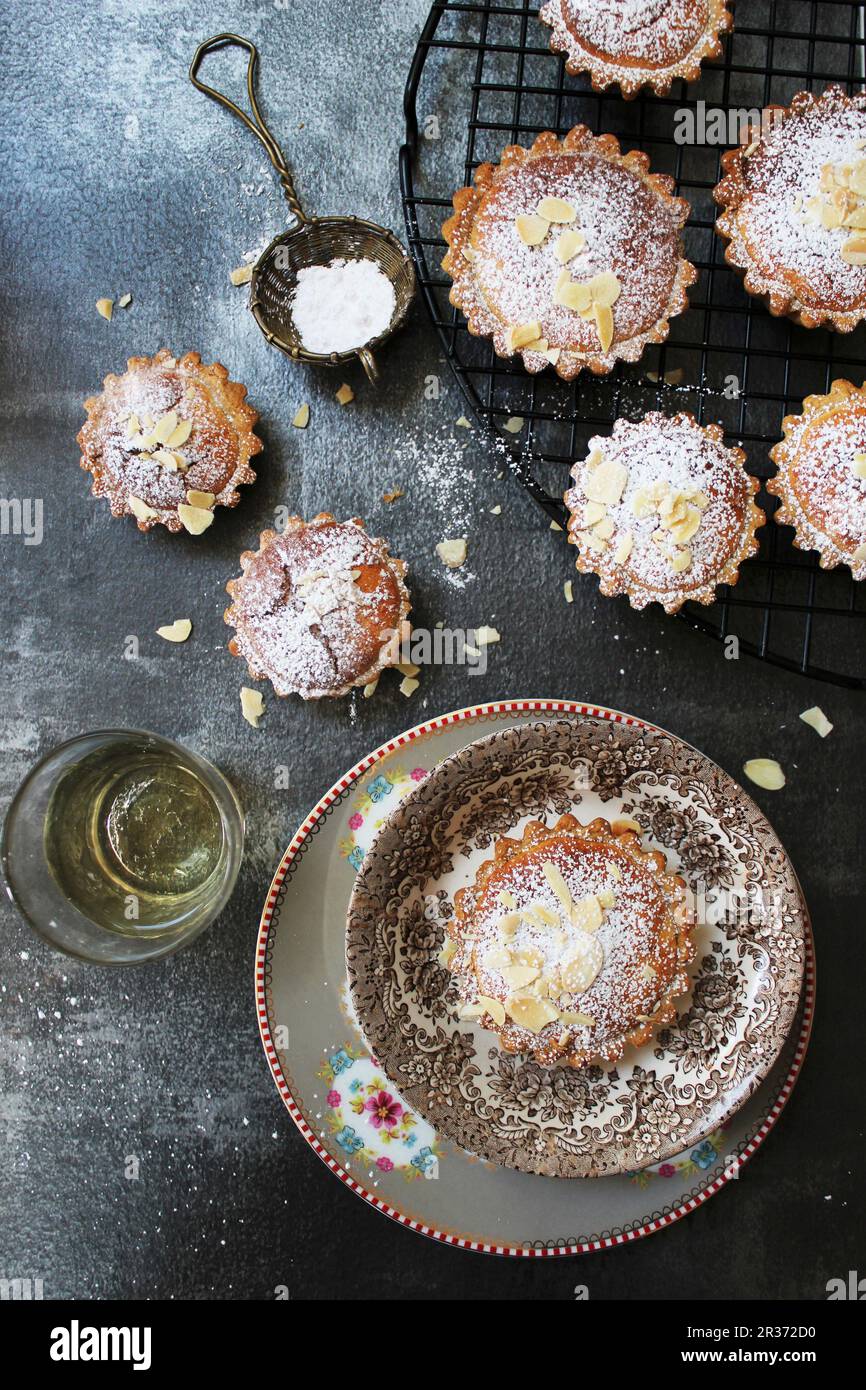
[121, 846]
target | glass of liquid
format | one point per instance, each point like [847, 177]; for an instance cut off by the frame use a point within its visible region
[121, 846]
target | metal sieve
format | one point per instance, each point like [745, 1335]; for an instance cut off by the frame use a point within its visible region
[309, 241]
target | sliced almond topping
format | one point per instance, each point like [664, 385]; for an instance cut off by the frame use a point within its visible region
[683, 529]
[615, 871]
[623, 549]
[200, 499]
[859, 556]
[568, 244]
[497, 958]
[582, 965]
[166, 459]
[606, 898]
[553, 355]
[558, 884]
[468, 252]
[408, 686]
[141, 509]
[345, 394]
[525, 333]
[648, 972]
[446, 955]
[452, 553]
[516, 976]
[860, 465]
[194, 519]
[573, 296]
[857, 179]
[179, 435]
[252, 705]
[681, 560]
[508, 923]
[241, 275]
[817, 720]
[165, 427]
[856, 219]
[605, 528]
[529, 1012]
[590, 541]
[605, 289]
[766, 773]
[604, 324]
[606, 482]
[556, 210]
[178, 631]
[854, 250]
[642, 504]
[507, 899]
[105, 307]
[132, 426]
[586, 915]
[585, 1020]
[831, 218]
[531, 228]
[494, 1007]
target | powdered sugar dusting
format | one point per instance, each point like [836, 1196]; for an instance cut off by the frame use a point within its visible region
[314, 607]
[823, 491]
[652, 33]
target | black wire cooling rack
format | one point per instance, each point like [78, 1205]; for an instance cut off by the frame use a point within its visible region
[483, 77]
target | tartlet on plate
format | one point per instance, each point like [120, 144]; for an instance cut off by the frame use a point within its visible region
[636, 43]
[166, 428]
[794, 210]
[663, 511]
[317, 607]
[821, 478]
[569, 253]
[573, 941]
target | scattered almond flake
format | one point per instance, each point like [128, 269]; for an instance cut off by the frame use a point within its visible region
[407, 668]
[105, 307]
[555, 526]
[817, 720]
[531, 228]
[178, 631]
[513, 424]
[301, 417]
[469, 650]
[194, 519]
[241, 275]
[452, 553]
[370, 689]
[141, 509]
[464, 423]
[345, 394]
[766, 773]
[496, 511]
[200, 499]
[568, 590]
[556, 210]
[484, 636]
[252, 705]
[124, 301]
[393, 495]
[408, 686]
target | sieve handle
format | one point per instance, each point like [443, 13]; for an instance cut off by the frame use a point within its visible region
[257, 124]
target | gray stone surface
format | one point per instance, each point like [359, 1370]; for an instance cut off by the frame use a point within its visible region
[119, 177]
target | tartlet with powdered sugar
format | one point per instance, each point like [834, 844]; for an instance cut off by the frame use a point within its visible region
[573, 942]
[318, 607]
[169, 440]
[636, 43]
[794, 210]
[663, 511]
[821, 478]
[569, 253]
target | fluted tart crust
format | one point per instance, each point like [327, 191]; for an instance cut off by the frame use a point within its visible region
[569, 253]
[317, 607]
[573, 942]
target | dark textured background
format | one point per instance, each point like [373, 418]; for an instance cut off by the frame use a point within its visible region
[117, 176]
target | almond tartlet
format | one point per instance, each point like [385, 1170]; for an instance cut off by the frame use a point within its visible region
[794, 215]
[662, 511]
[573, 942]
[319, 607]
[569, 253]
[821, 478]
[169, 440]
[636, 43]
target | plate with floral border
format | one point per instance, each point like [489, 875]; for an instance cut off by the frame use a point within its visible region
[367, 1131]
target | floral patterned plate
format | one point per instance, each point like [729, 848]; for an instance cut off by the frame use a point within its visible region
[375, 1134]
